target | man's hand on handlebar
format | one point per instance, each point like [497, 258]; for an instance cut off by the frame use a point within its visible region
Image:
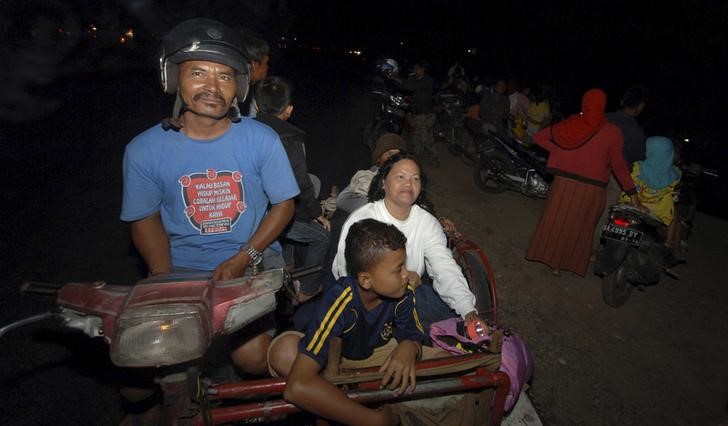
[234, 267]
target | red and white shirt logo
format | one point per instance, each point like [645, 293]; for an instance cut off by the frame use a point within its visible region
[214, 200]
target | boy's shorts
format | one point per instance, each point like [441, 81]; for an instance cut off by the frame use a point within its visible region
[376, 359]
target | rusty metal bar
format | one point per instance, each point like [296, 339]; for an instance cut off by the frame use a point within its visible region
[369, 392]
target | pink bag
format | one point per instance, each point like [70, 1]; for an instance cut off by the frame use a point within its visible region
[516, 360]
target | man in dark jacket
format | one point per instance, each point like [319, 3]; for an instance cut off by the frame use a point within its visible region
[631, 106]
[421, 85]
[309, 226]
[494, 109]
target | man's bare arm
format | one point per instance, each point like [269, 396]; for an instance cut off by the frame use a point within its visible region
[151, 240]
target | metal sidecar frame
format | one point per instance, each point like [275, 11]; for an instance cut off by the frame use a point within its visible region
[261, 400]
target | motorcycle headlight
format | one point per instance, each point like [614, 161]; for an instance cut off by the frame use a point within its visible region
[160, 335]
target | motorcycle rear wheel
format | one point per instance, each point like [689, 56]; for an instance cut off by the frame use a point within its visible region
[487, 171]
[616, 288]
[467, 147]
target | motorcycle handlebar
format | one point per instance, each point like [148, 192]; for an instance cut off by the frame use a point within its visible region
[26, 321]
[40, 288]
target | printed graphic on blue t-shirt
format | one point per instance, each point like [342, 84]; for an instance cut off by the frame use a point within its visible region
[213, 200]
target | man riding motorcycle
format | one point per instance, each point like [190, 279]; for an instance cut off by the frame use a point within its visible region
[198, 186]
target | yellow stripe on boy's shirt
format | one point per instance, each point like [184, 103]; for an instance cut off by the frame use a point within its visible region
[344, 298]
[330, 325]
[416, 316]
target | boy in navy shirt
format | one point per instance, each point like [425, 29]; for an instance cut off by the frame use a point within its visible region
[366, 309]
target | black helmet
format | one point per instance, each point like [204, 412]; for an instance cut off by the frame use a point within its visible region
[203, 40]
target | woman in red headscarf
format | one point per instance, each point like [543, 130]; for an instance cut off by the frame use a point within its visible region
[583, 150]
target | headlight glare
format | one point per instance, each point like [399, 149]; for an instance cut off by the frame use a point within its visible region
[160, 335]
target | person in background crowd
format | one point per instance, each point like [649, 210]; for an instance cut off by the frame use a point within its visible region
[309, 226]
[631, 106]
[355, 194]
[538, 112]
[421, 85]
[656, 178]
[258, 53]
[583, 149]
[494, 109]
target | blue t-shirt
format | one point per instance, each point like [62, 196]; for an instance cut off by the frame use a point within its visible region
[342, 313]
[212, 194]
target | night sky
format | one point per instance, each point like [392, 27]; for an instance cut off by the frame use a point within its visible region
[678, 51]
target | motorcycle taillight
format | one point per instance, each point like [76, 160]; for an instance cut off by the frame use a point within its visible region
[620, 221]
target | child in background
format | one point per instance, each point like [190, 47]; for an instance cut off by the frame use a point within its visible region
[656, 179]
[374, 303]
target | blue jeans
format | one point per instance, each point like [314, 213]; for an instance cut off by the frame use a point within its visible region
[430, 306]
[316, 238]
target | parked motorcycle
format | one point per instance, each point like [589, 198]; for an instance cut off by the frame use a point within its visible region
[392, 106]
[449, 123]
[686, 201]
[508, 164]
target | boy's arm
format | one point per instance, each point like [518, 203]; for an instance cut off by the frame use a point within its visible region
[308, 390]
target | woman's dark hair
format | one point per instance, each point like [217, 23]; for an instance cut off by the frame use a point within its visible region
[376, 188]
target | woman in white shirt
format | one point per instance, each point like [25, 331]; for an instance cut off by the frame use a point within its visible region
[397, 196]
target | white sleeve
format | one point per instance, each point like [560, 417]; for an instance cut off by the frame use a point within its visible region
[447, 277]
[338, 266]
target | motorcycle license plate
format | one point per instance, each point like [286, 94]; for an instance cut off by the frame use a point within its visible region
[626, 235]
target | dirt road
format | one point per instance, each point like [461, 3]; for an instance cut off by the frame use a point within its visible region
[657, 360]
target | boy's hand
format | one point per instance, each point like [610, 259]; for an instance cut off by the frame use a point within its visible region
[399, 368]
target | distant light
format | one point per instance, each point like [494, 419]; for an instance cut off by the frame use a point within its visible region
[129, 33]
[122, 40]
[283, 38]
[355, 52]
[401, 43]
[686, 140]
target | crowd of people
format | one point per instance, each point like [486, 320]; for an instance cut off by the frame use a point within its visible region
[222, 187]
